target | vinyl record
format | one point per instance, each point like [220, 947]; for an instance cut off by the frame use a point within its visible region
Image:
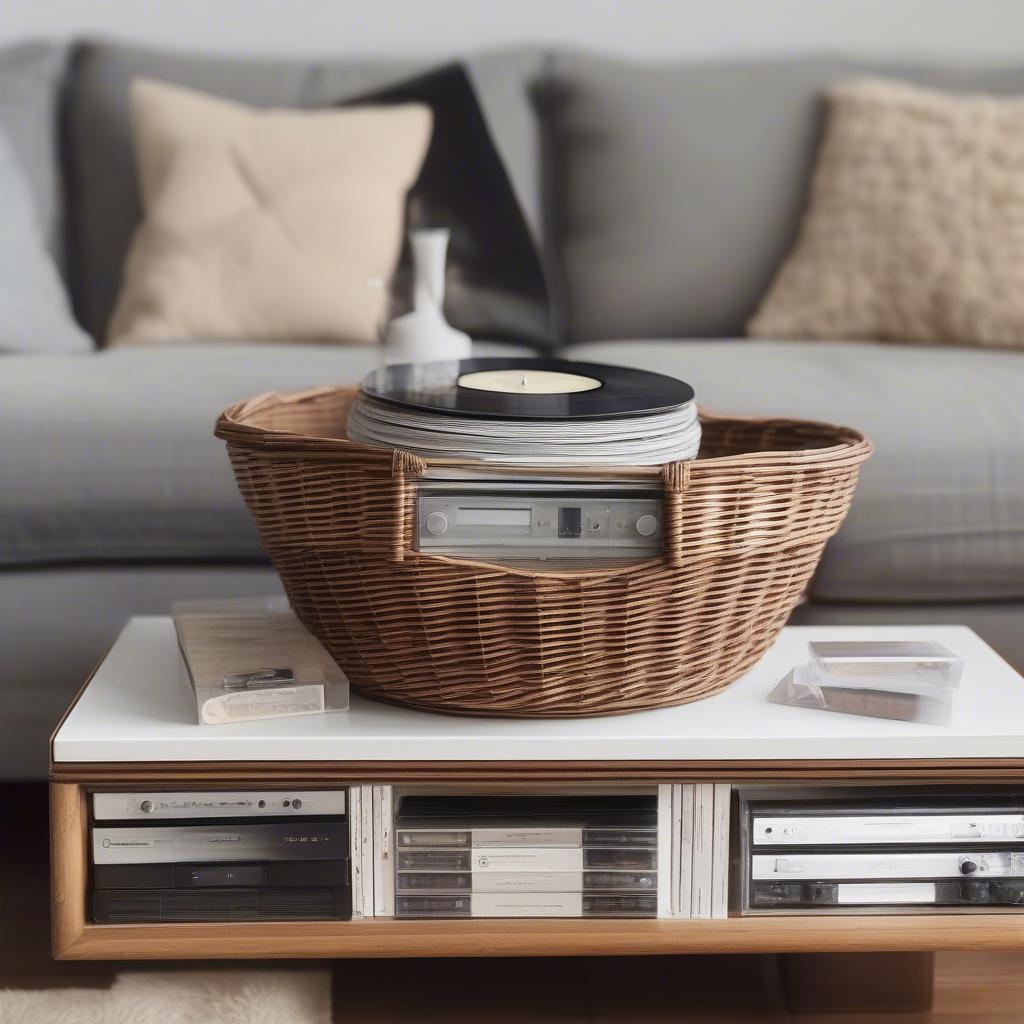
[527, 389]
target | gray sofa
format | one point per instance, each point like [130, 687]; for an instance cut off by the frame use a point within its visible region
[662, 199]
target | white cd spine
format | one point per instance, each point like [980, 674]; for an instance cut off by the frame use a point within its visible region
[675, 862]
[355, 839]
[703, 831]
[665, 844]
[518, 904]
[520, 837]
[526, 858]
[366, 848]
[683, 871]
[383, 854]
[720, 850]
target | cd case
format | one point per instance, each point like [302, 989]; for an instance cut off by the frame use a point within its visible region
[910, 681]
[250, 659]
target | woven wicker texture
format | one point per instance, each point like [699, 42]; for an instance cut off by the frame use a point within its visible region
[744, 527]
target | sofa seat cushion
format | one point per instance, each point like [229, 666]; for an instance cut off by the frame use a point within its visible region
[112, 456]
[939, 512]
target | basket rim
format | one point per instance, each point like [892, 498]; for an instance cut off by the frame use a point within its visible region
[233, 427]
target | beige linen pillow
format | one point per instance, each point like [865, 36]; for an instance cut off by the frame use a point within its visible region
[914, 230]
[264, 224]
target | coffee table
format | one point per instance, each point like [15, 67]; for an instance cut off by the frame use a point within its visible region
[132, 727]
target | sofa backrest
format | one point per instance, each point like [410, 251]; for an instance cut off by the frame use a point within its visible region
[664, 196]
[102, 191]
[676, 190]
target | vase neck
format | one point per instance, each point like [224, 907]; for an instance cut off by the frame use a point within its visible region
[429, 251]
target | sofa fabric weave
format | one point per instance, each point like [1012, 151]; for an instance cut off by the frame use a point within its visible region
[120, 462]
[34, 312]
[939, 511]
[678, 188]
[30, 82]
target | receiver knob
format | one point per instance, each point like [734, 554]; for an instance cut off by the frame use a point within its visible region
[647, 525]
[437, 523]
[968, 867]
[146, 806]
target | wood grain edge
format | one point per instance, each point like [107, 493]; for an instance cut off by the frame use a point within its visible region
[389, 938]
[69, 867]
[532, 773]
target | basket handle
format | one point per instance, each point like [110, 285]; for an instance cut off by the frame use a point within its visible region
[675, 477]
[403, 466]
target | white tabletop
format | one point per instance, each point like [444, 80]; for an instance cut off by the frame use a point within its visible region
[137, 709]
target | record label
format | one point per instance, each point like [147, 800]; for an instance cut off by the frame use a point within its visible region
[527, 382]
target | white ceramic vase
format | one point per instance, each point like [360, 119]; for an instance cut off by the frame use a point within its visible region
[423, 335]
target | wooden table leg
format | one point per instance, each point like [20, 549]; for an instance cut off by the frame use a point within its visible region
[858, 982]
[69, 865]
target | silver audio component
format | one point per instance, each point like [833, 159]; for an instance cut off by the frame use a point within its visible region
[227, 804]
[540, 519]
[888, 865]
[823, 896]
[222, 855]
[922, 827]
[221, 842]
[880, 850]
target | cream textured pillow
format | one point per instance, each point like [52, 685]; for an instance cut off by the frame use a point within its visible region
[264, 224]
[915, 227]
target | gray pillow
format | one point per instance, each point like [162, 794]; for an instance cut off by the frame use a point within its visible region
[30, 79]
[34, 312]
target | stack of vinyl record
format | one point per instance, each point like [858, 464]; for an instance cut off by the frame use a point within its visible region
[531, 412]
[526, 857]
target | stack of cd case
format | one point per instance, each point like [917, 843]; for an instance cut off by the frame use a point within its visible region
[462, 856]
[908, 680]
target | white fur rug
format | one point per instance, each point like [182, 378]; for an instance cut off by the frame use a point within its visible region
[181, 997]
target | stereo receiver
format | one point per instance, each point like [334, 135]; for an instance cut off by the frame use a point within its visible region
[220, 856]
[892, 851]
[540, 519]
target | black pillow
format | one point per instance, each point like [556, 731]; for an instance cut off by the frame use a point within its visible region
[494, 286]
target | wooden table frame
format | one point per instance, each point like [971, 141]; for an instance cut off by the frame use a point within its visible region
[75, 937]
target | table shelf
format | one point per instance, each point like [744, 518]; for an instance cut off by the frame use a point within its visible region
[74, 937]
[390, 938]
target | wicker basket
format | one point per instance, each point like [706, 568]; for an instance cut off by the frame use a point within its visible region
[744, 528]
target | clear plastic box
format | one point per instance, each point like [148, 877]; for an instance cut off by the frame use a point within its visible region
[911, 681]
[252, 659]
[866, 662]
